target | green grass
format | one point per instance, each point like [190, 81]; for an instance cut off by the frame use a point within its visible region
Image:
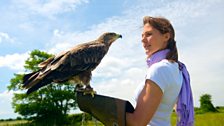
[13, 123]
[207, 119]
[25, 123]
[91, 123]
[210, 119]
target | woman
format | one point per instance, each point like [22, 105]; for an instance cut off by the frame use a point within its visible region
[166, 82]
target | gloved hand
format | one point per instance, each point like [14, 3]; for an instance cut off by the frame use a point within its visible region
[110, 111]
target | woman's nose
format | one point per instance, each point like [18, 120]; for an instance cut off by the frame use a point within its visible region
[144, 39]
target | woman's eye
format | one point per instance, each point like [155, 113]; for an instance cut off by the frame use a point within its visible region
[148, 34]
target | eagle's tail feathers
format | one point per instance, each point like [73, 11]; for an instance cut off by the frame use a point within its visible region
[37, 86]
[28, 78]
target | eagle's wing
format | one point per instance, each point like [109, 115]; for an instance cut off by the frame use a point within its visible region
[90, 54]
[51, 60]
[84, 57]
[33, 78]
[46, 62]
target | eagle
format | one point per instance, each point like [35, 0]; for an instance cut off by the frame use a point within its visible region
[75, 65]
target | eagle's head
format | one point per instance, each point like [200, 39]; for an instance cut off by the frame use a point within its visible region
[109, 37]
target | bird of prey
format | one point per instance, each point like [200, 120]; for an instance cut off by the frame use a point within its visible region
[74, 65]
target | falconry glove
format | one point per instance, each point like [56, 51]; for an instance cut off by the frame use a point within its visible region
[110, 111]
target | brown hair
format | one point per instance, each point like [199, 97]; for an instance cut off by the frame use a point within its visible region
[164, 26]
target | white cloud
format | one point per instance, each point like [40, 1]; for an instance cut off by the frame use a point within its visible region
[50, 7]
[4, 37]
[120, 84]
[119, 88]
[61, 41]
[14, 61]
[6, 110]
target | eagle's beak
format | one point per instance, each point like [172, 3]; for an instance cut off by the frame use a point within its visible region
[119, 36]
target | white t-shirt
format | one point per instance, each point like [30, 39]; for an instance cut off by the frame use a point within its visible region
[169, 78]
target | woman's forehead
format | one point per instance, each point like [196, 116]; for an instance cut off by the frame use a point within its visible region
[148, 27]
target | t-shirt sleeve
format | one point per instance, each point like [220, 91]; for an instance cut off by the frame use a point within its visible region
[156, 74]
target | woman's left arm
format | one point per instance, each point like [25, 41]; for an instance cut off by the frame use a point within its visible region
[147, 104]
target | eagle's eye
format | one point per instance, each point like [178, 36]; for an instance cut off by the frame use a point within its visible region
[111, 34]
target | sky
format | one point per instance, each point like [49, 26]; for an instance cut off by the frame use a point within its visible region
[54, 26]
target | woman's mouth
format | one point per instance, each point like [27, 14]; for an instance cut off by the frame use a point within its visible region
[147, 47]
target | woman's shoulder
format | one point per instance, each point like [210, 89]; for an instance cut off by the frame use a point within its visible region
[164, 65]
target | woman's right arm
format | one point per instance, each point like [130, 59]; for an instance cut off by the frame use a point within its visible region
[147, 104]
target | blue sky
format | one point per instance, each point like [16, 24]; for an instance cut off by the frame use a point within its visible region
[54, 26]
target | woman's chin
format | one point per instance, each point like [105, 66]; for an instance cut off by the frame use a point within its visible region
[148, 54]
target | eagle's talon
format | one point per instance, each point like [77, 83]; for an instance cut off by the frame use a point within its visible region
[79, 88]
[91, 92]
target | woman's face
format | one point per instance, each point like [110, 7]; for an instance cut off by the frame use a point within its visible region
[153, 40]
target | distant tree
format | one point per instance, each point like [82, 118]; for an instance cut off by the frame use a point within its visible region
[49, 105]
[206, 103]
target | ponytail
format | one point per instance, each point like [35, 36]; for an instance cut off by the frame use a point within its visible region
[173, 54]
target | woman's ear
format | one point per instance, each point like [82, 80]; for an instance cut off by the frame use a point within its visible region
[166, 36]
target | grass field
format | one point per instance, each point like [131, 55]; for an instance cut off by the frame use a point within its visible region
[13, 123]
[208, 119]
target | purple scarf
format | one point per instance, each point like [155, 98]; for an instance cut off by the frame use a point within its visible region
[185, 107]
